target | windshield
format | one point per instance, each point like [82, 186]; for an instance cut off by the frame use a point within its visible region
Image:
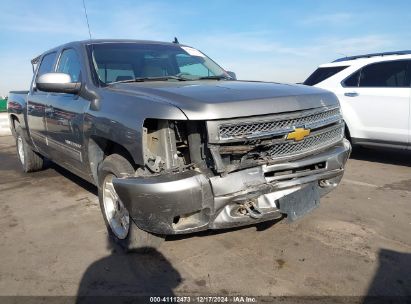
[115, 62]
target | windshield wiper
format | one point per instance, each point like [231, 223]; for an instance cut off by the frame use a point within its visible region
[142, 79]
[219, 77]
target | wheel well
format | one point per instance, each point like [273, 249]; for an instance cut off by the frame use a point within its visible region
[347, 132]
[100, 147]
[13, 119]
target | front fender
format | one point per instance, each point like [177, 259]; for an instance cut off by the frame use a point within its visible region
[121, 118]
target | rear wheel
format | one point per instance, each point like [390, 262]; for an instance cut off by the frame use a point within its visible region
[120, 226]
[29, 160]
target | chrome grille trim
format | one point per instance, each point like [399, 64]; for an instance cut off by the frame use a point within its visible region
[316, 141]
[269, 126]
[243, 142]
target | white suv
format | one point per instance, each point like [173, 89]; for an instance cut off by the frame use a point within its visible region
[375, 95]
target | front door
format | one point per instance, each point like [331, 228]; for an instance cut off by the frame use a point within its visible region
[64, 117]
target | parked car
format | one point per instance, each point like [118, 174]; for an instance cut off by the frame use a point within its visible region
[374, 92]
[173, 142]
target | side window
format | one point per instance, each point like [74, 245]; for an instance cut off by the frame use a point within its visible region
[191, 65]
[384, 74]
[322, 74]
[69, 63]
[46, 65]
[408, 80]
[352, 81]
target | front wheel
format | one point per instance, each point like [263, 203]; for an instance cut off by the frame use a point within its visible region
[120, 226]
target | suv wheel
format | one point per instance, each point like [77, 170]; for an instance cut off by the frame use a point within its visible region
[119, 224]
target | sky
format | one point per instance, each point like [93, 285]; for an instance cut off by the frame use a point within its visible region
[282, 41]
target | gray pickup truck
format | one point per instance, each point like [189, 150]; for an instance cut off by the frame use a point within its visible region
[174, 143]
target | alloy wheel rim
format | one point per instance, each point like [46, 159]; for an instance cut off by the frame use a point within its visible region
[116, 213]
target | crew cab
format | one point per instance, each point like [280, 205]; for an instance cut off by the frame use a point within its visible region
[174, 143]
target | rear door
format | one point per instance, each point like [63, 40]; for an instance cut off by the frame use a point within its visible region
[376, 102]
[36, 105]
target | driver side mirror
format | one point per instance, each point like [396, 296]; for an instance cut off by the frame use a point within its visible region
[232, 75]
[57, 83]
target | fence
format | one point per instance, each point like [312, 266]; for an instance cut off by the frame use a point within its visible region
[3, 105]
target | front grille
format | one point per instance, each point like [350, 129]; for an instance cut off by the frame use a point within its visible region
[260, 128]
[311, 143]
[240, 143]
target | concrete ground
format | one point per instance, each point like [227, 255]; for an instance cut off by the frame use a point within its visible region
[4, 124]
[54, 242]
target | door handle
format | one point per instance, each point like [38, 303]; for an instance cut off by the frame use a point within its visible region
[351, 94]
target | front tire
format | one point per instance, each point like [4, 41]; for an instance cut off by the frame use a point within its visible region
[121, 228]
[30, 161]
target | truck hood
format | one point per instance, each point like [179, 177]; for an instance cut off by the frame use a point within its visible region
[211, 99]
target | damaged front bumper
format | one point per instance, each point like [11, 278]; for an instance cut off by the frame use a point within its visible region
[190, 201]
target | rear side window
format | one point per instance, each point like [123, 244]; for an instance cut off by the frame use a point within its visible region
[322, 74]
[385, 74]
[47, 64]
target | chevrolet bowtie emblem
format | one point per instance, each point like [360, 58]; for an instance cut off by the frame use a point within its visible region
[298, 134]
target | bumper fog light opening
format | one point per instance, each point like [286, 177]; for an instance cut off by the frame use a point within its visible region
[325, 183]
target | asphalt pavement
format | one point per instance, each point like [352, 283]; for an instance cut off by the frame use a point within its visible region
[54, 242]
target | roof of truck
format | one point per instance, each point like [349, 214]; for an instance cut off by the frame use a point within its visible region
[88, 41]
[99, 41]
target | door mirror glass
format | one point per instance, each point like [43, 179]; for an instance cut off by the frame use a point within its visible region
[57, 83]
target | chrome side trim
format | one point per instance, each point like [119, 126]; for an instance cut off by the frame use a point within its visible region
[65, 149]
